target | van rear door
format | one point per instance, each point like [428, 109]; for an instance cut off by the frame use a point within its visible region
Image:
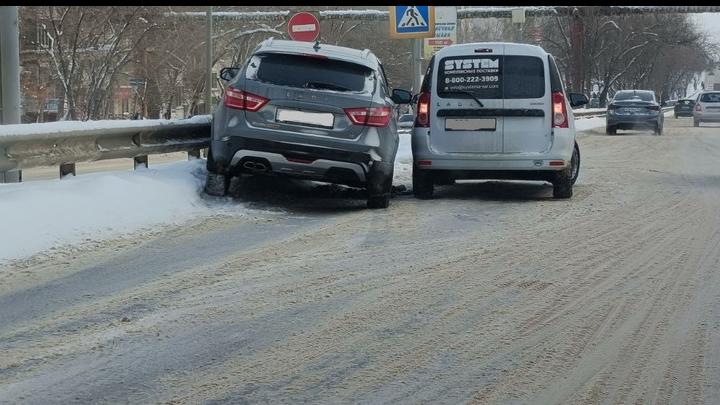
[465, 100]
[527, 125]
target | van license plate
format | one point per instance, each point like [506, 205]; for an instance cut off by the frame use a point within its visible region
[470, 124]
[325, 120]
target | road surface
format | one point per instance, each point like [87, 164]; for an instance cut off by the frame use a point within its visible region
[490, 293]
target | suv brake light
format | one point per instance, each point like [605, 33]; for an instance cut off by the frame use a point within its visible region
[371, 117]
[422, 119]
[559, 119]
[242, 100]
[698, 107]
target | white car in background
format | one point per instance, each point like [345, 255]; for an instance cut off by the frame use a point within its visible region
[707, 108]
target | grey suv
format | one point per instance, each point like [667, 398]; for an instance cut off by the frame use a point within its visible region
[311, 111]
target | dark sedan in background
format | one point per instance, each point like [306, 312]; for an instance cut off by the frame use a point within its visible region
[684, 108]
[634, 109]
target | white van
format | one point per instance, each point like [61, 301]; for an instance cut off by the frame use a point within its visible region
[494, 111]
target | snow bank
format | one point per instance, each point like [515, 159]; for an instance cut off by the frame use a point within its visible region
[583, 124]
[43, 214]
[71, 126]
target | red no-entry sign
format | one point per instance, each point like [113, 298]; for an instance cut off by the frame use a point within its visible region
[304, 27]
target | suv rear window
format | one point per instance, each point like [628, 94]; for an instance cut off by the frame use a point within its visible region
[309, 72]
[491, 77]
[710, 98]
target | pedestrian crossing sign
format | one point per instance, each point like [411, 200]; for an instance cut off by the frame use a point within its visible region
[412, 21]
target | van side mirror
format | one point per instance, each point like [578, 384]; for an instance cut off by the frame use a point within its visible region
[228, 74]
[577, 99]
[400, 96]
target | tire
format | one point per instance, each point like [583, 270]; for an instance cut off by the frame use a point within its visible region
[422, 183]
[378, 202]
[696, 123]
[217, 185]
[563, 183]
[379, 189]
[575, 164]
[611, 130]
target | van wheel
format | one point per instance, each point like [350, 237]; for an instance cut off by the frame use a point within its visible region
[217, 184]
[611, 130]
[563, 183]
[422, 183]
[575, 163]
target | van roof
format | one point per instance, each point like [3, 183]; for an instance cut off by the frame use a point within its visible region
[510, 47]
[361, 57]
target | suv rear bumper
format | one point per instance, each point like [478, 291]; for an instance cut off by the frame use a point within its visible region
[352, 168]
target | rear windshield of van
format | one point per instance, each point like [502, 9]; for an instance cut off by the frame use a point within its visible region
[491, 77]
[306, 72]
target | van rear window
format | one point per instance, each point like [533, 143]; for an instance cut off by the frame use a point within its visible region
[306, 72]
[491, 77]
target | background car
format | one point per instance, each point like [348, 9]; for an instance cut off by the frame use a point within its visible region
[634, 109]
[406, 121]
[684, 108]
[707, 108]
[311, 111]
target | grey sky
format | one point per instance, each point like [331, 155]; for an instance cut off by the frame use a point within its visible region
[710, 22]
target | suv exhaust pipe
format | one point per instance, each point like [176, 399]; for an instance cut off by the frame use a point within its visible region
[255, 166]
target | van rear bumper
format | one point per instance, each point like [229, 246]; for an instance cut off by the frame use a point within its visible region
[560, 151]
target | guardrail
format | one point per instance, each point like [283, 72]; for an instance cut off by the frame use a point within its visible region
[64, 143]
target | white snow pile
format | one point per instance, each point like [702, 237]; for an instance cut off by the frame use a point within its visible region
[40, 215]
[73, 126]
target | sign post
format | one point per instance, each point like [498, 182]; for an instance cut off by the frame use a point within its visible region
[413, 22]
[445, 31]
[304, 27]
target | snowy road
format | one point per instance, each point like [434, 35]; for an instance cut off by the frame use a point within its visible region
[492, 292]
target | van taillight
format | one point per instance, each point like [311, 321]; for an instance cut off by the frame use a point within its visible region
[559, 116]
[372, 117]
[422, 119]
[242, 100]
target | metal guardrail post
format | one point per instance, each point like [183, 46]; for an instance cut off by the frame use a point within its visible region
[140, 161]
[9, 78]
[67, 168]
[194, 154]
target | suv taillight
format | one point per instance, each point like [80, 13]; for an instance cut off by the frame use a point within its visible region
[371, 117]
[559, 117]
[698, 107]
[422, 120]
[242, 100]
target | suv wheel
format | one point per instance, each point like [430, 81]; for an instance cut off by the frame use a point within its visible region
[575, 163]
[379, 188]
[422, 183]
[217, 184]
[611, 130]
[378, 202]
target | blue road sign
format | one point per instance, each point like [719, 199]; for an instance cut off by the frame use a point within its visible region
[412, 21]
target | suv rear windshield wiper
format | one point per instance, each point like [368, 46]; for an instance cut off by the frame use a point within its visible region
[322, 85]
[469, 93]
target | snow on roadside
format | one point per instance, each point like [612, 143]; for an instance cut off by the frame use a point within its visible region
[40, 215]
